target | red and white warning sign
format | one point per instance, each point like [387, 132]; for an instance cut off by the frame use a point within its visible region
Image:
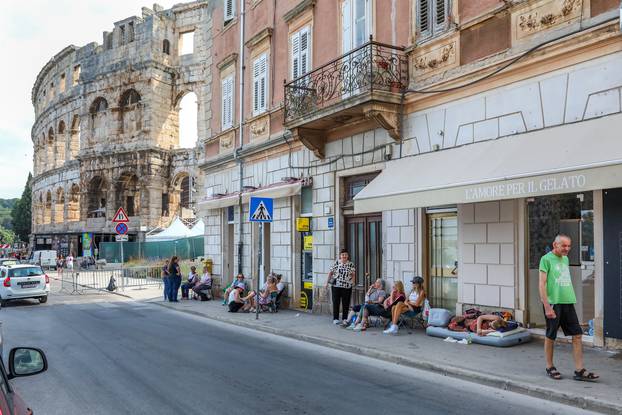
[120, 216]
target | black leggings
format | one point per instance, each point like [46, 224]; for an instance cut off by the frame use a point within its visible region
[341, 295]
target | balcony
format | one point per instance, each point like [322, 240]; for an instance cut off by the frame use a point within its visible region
[364, 84]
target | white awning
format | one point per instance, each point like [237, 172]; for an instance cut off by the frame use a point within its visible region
[575, 157]
[175, 230]
[275, 192]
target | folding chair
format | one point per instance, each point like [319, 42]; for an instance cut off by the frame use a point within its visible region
[412, 317]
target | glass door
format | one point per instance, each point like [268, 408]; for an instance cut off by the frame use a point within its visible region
[443, 260]
[364, 243]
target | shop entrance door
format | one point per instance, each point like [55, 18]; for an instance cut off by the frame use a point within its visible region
[443, 259]
[364, 243]
[612, 226]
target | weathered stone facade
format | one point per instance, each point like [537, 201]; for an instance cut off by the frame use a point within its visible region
[106, 132]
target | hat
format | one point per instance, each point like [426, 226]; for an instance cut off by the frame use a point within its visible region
[417, 280]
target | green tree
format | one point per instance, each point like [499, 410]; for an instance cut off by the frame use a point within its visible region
[22, 213]
[6, 236]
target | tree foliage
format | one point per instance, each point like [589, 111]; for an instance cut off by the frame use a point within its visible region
[22, 213]
[6, 236]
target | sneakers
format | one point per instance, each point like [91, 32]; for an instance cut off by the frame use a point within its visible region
[336, 321]
[360, 327]
[391, 330]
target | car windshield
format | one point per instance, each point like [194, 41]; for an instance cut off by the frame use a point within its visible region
[25, 272]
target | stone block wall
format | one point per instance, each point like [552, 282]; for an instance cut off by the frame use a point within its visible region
[400, 257]
[487, 266]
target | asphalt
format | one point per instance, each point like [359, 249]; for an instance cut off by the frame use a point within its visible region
[110, 355]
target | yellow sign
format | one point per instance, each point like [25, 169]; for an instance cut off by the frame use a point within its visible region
[308, 243]
[302, 224]
[304, 300]
[307, 285]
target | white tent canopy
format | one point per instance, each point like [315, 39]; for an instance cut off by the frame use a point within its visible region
[198, 229]
[176, 230]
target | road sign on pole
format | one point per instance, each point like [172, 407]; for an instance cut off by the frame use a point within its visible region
[260, 210]
[120, 216]
[121, 228]
[121, 238]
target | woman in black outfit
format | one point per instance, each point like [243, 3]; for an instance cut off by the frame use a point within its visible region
[174, 279]
[341, 279]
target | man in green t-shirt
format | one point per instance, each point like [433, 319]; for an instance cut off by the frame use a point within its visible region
[558, 297]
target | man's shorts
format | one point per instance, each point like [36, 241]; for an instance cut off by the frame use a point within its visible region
[566, 318]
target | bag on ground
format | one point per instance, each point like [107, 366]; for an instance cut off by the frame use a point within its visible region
[439, 317]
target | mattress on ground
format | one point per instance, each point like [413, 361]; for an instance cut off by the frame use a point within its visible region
[511, 340]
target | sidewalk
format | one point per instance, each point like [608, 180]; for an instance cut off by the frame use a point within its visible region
[519, 369]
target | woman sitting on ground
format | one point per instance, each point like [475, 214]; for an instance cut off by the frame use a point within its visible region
[237, 302]
[204, 284]
[413, 304]
[384, 310]
[193, 278]
[375, 295]
[237, 282]
[264, 294]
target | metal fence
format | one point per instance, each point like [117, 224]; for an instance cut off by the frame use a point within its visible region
[185, 248]
[99, 279]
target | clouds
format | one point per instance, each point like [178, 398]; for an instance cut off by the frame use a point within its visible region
[31, 33]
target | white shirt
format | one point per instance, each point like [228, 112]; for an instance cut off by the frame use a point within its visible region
[69, 261]
[280, 286]
[207, 278]
[413, 296]
[232, 296]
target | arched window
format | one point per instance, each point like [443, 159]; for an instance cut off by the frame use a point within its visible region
[128, 193]
[47, 209]
[99, 105]
[166, 46]
[61, 142]
[74, 143]
[59, 206]
[188, 127]
[97, 198]
[73, 204]
[98, 118]
[50, 150]
[129, 97]
[131, 113]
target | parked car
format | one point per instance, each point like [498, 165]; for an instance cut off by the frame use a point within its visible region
[44, 258]
[8, 261]
[23, 361]
[23, 281]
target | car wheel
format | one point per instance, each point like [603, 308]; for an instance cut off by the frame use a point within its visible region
[43, 299]
[3, 303]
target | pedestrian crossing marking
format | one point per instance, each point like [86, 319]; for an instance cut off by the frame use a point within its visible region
[261, 213]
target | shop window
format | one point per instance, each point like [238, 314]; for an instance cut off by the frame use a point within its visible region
[306, 199]
[186, 43]
[432, 17]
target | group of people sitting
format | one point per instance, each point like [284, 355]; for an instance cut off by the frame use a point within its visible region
[392, 307]
[200, 286]
[235, 299]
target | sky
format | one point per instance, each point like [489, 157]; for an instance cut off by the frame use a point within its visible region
[31, 33]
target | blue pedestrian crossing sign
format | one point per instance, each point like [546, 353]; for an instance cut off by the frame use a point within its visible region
[260, 209]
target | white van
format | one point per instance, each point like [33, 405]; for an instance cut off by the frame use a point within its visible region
[46, 259]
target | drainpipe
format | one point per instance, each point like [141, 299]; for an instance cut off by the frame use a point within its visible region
[241, 133]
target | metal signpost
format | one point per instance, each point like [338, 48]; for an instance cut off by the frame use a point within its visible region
[260, 211]
[121, 219]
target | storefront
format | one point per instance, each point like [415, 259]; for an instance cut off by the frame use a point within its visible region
[489, 219]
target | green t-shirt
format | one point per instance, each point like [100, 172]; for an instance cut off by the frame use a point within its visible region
[559, 288]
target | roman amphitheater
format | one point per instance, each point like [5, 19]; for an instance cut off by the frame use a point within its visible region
[107, 128]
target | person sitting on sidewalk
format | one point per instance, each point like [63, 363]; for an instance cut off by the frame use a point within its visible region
[375, 295]
[558, 300]
[264, 294]
[237, 302]
[204, 285]
[193, 278]
[384, 310]
[414, 305]
[237, 282]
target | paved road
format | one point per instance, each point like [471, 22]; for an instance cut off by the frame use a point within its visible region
[112, 356]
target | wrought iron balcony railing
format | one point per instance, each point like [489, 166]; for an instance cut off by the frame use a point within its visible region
[371, 67]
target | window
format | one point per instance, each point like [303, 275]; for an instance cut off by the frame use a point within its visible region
[164, 204]
[107, 41]
[121, 35]
[166, 46]
[260, 84]
[76, 75]
[227, 102]
[186, 43]
[306, 200]
[61, 84]
[301, 52]
[355, 23]
[130, 34]
[229, 9]
[52, 91]
[432, 17]
[230, 214]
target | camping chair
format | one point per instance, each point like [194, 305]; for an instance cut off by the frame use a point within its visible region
[272, 305]
[412, 319]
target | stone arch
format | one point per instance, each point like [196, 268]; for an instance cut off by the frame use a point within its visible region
[59, 206]
[98, 113]
[73, 203]
[61, 142]
[188, 123]
[130, 111]
[74, 141]
[128, 192]
[96, 197]
[180, 194]
[47, 208]
[50, 152]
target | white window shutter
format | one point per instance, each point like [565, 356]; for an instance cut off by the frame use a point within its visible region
[305, 52]
[229, 9]
[296, 55]
[440, 15]
[260, 84]
[227, 102]
[423, 17]
[264, 82]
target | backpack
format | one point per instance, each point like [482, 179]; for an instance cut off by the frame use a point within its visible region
[112, 286]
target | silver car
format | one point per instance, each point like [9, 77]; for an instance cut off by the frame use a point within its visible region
[23, 281]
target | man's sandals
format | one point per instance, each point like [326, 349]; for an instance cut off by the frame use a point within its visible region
[585, 376]
[580, 375]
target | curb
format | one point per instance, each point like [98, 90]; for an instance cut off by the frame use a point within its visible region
[586, 403]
